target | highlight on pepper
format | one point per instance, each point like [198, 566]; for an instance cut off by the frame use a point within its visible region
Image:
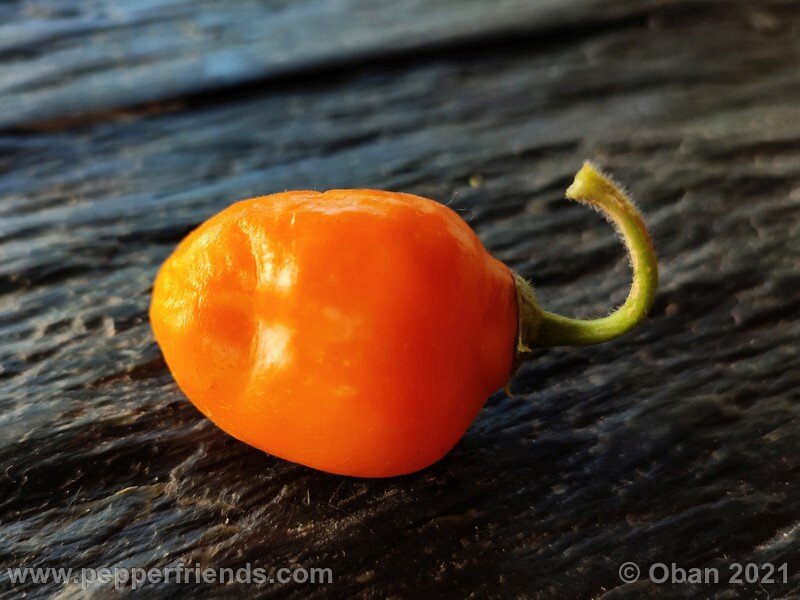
[359, 332]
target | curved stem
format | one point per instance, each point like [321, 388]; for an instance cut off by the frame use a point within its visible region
[593, 188]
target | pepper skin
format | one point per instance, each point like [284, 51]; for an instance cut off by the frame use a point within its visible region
[354, 331]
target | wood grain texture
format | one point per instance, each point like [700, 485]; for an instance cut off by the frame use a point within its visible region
[678, 443]
[65, 59]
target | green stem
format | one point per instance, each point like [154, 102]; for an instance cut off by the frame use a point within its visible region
[593, 188]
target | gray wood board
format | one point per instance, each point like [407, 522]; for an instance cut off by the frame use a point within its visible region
[69, 58]
[678, 443]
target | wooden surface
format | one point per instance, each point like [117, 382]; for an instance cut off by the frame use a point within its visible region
[123, 128]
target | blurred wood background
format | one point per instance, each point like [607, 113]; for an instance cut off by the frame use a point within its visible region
[123, 125]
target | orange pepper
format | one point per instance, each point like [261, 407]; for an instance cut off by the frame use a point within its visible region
[354, 331]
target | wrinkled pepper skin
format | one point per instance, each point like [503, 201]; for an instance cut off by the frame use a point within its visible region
[358, 332]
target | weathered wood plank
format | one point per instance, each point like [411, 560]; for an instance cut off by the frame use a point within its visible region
[676, 444]
[69, 59]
